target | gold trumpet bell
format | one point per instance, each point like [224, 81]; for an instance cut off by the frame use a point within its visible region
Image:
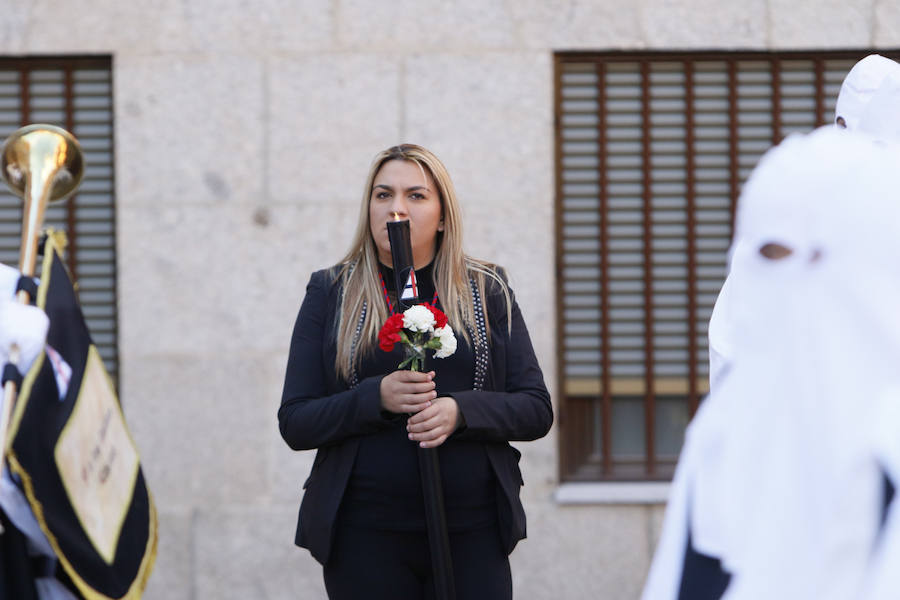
[43, 151]
[41, 164]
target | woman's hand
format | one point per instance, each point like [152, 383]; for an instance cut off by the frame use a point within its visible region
[431, 426]
[407, 392]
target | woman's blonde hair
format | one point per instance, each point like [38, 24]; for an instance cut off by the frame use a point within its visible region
[452, 269]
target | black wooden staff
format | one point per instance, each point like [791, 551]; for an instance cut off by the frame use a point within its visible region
[429, 468]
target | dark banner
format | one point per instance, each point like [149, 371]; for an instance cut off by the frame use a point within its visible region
[76, 458]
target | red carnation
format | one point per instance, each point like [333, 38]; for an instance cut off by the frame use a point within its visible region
[390, 332]
[439, 316]
[427, 330]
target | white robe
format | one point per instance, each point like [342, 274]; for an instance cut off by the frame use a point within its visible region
[881, 117]
[780, 477]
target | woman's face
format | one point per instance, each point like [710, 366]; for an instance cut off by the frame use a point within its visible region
[403, 190]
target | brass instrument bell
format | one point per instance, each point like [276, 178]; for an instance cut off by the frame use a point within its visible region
[41, 164]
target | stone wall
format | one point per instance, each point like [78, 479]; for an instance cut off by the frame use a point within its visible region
[243, 134]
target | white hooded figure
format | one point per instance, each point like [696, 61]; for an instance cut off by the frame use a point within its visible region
[781, 479]
[872, 81]
[858, 87]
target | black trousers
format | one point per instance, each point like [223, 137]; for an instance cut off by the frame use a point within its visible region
[16, 577]
[391, 565]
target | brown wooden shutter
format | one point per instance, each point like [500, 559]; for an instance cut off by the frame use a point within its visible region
[76, 94]
[651, 151]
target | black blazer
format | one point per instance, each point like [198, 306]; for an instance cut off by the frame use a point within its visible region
[320, 411]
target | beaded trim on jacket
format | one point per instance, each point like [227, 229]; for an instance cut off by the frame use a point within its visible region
[480, 341]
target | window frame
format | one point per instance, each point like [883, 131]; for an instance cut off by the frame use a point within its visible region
[72, 216]
[578, 460]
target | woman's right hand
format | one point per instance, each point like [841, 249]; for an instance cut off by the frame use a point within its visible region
[407, 392]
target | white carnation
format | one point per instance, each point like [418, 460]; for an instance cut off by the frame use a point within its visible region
[418, 318]
[448, 342]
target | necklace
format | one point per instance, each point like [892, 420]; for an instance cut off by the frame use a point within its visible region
[387, 297]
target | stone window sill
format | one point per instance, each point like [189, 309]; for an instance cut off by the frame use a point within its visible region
[613, 492]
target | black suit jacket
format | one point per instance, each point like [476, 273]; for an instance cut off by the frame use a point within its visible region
[320, 411]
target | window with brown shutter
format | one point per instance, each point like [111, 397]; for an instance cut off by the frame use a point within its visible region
[651, 151]
[74, 93]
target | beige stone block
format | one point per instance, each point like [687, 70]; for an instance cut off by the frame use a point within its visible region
[205, 281]
[202, 426]
[423, 25]
[657, 519]
[250, 553]
[820, 23]
[535, 287]
[577, 24]
[153, 26]
[258, 27]
[540, 468]
[14, 26]
[173, 573]
[582, 552]
[887, 24]
[288, 469]
[328, 115]
[189, 130]
[704, 23]
[482, 114]
[45, 26]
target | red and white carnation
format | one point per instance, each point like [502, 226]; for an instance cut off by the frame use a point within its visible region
[419, 319]
[419, 328]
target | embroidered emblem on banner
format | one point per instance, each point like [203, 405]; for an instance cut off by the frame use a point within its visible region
[97, 459]
[61, 371]
[410, 290]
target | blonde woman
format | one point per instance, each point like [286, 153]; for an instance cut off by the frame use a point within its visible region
[362, 515]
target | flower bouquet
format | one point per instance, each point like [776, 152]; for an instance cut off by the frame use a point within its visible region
[419, 328]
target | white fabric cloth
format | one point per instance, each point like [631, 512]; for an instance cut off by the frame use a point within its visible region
[9, 279]
[25, 326]
[686, 510]
[664, 578]
[721, 328]
[860, 85]
[884, 578]
[821, 355]
[782, 465]
[881, 117]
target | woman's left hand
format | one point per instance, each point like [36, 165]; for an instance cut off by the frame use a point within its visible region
[431, 426]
